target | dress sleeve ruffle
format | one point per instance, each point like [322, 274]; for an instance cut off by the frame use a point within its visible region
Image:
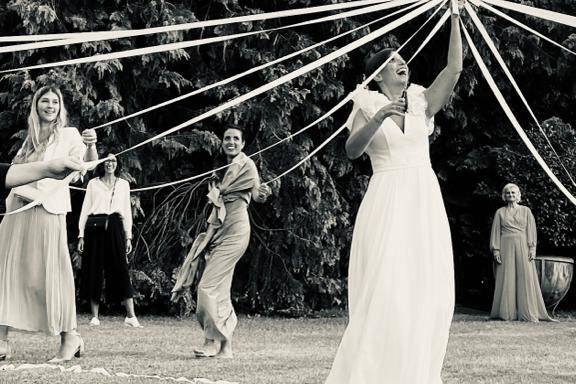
[417, 105]
[365, 101]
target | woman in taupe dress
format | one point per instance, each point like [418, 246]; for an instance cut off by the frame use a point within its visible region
[517, 294]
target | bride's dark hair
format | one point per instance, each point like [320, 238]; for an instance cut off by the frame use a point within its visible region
[373, 62]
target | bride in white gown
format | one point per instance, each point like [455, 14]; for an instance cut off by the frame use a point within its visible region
[401, 283]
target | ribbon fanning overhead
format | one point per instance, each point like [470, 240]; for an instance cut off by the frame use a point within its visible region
[504, 67]
[512, 118]
[198, 42]
[193, 25]
[480, 3]
[555, 17]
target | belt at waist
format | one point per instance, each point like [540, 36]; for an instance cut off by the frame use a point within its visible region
[388, 168]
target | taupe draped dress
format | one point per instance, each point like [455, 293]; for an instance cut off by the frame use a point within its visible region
[517, 294]
[222, 246]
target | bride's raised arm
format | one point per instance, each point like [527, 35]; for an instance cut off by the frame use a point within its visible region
[438, 94]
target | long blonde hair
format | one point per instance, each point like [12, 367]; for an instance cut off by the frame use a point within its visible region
[33, 143]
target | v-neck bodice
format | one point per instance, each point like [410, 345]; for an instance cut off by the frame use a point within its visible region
[391, 148]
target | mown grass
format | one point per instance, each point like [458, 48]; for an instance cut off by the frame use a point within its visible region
[296, 351]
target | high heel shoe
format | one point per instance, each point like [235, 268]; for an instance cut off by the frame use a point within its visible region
[4, 350]
[79, 351]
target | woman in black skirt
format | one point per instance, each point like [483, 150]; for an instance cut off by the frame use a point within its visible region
[105, 240]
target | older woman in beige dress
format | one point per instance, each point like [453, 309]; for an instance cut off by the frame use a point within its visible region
[517, 294]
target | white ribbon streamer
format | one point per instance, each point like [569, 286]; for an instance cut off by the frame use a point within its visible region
[292, 75]
[504, 67]
[556, 17]
[338, 106]
[210, 40]
[106, 373]
[59, 184]
[251, 70]
[179, 45]
[124, 34]
[430, 36]
[365, 83]
[329, 139]
[193, 25]
[480, 3]
[512, 118]
[327, 114]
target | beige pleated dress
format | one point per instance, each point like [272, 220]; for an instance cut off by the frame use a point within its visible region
[37, 291]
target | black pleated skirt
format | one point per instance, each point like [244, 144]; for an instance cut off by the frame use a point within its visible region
[104, 266]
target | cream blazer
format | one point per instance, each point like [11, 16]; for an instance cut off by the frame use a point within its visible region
[67, 142]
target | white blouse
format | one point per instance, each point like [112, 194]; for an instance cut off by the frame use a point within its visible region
[97, 201]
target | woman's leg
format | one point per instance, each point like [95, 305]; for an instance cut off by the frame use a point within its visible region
[116, 271]
[94, 307]
[215, 312]
[92, 273]
[226, 349]
[130, 319]
[129, 304]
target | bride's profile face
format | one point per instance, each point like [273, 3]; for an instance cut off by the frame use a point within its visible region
[394, 73]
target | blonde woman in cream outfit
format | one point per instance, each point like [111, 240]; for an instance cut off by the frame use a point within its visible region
[401, 278]
[36, 281]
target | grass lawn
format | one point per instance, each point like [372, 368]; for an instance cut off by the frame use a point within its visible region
[296, 351]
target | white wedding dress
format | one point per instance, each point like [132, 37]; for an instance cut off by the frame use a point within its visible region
[401, 274]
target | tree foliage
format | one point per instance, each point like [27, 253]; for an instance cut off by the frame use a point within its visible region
[297, 259]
